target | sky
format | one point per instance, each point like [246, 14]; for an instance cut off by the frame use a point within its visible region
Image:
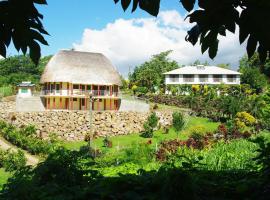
[127, 39]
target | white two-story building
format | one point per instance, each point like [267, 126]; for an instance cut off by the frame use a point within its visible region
[200, 74]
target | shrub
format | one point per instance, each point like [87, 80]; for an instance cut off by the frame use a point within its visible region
[197, 130]
[26, 139]
[142, 90]
[150, 125]
[247, 118]
[178, 121]
[155, 107]
[107, 142]
[244, 120]
[12, 161]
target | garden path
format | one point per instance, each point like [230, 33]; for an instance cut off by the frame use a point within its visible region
[31, 160]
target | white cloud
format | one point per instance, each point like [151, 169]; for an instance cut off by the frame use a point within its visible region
[128, 43]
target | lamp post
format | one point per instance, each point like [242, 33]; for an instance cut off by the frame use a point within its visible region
[91, 100]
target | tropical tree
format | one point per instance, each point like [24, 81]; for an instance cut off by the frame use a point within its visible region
[150, 74]
[15, 69]
[253, 77]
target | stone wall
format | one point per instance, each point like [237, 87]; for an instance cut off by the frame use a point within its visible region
[73, 125]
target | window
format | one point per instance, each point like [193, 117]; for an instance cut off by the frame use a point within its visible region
[75, 99]
[231, 78]
[83, 87]
[174, 78]
[188, 78]
[203, 78]
[217, 78]
[88, 87]
[75, 87]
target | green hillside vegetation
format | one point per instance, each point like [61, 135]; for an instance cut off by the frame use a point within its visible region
[16, 69]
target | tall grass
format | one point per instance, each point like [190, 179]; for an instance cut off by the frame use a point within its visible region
[234, 155]
[6, 91]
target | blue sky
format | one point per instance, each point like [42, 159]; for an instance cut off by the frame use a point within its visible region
[127, 39]
[66, 20]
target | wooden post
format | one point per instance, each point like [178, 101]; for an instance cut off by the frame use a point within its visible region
[71, 85]
[61, 88]
[67, 88]
[110, 90]
[54, 103]
[110, 104]
[60, 102]
[49, 102]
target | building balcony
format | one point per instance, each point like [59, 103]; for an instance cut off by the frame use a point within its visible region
[80, 93]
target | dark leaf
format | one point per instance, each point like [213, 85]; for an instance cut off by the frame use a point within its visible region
[35, 35]
[196, 16]
[222, 31]
[243, 34]
[135, 5]
[40, 1]
[231, 26]
[188, 4]
[213, 49]
[35, 53]
[150, 6]
[262, 53]
[193, 35]
[125, 4]
[3, 50]
[251, 46]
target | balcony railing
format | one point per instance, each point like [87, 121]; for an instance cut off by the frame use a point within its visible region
[203, 80]
[174, 80]
[75, 92]
[231, 80]
[188, 79]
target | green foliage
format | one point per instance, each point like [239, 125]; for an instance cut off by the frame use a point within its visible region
[178, 121]
[15, 69]
[107, 142]
[150, 125]
[150, 74]
[6, 91]
[253, 77]
[142, 90]
[26, 139]
[12, 161]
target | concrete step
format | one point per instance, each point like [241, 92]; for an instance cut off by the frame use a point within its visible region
[29, 104]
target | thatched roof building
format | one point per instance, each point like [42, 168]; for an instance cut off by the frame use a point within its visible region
[80, 68]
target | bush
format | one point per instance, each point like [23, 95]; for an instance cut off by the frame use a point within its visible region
[197, 130]
[142, 90]
[107, 142]
[25, 139]
[150, 125]
[6, 91]
[12, 161]
[178, 121]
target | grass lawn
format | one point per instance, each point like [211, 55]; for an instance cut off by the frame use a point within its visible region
[125, 141]
[3, 177]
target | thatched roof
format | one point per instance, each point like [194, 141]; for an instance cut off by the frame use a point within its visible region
[80, 68]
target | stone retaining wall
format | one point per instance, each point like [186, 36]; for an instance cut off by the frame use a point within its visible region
[73, 125]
